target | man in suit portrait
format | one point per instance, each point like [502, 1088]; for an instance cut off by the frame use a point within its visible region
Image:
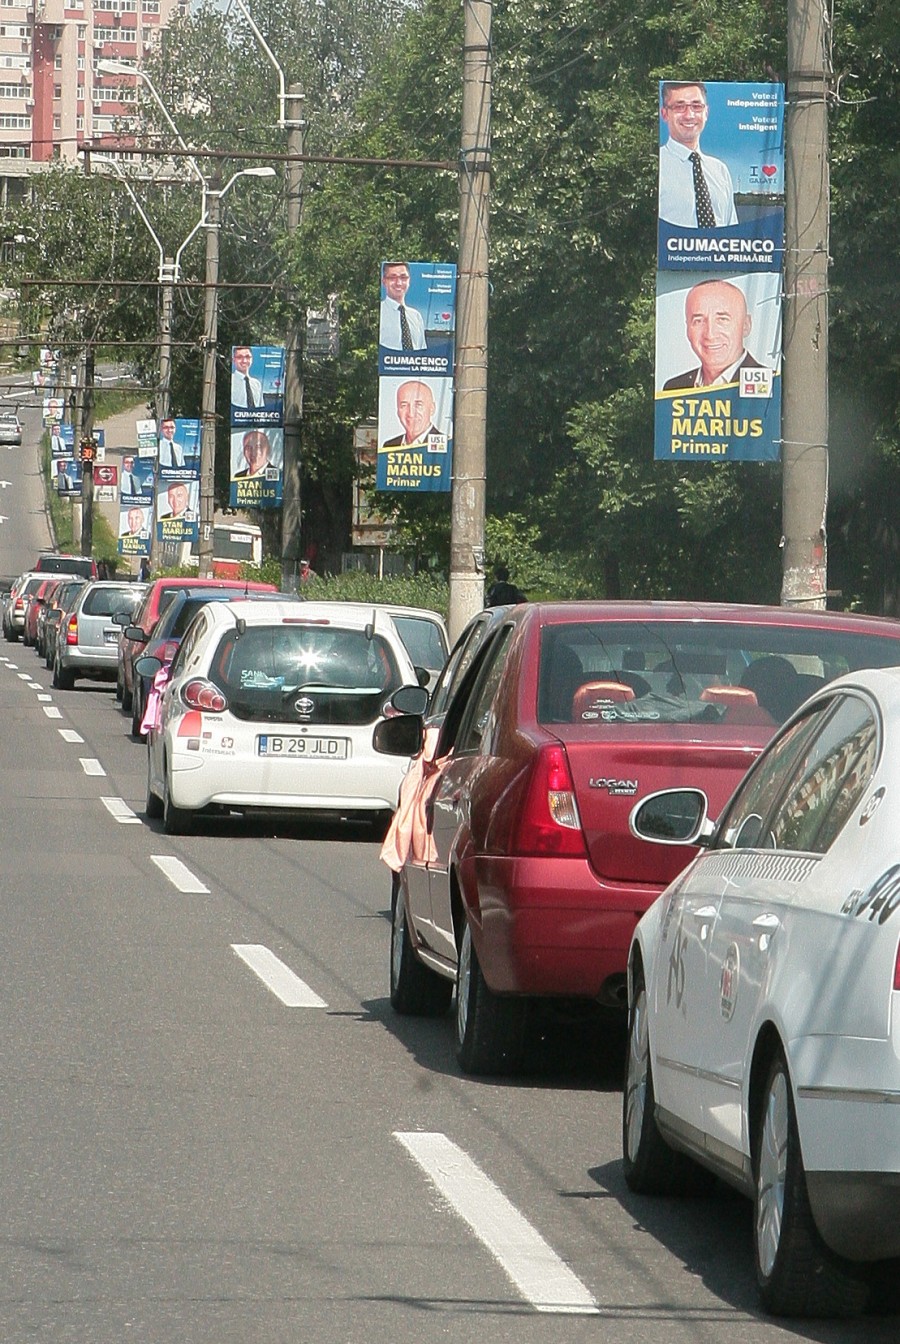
[246, 392]
[695, 189]
[64, 479]
[178, 497]
[130, 484]
[170, 452]
[718, 324]
[400, 327]
[256, 450]
[415, 411]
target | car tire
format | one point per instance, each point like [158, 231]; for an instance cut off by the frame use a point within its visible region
[127, 698]
[490, 1028]
[650, 1166]
[11, 635]
[416, 991]
[154, 805]
[175, 820]
[119, 687]
[63, 677]
[797, 1274]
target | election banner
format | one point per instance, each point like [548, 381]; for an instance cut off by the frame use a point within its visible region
[415, 434]
[718, 368]
[145, 431]
[417, 318]
[137, 485]
[416, 333]
[178, 449]
[178, 511]
[257, 466]
[721, 176]
[257, 385]
[135, 523]
[62, 440]
[67, 477]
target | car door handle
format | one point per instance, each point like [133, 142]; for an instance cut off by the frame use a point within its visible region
[767, 922]
[705, 912]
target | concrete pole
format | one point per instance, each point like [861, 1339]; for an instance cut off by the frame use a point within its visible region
[87, 471]
[208, 406]
[805, 390]
[469, 445]
[291, 514]
[167, 305]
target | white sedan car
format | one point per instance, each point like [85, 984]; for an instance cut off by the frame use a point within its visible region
[273, 705]
[764, 995]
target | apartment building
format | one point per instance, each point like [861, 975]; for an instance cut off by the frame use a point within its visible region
[52, 96]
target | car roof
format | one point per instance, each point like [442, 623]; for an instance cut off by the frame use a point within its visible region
[168, 581]
[731, 613]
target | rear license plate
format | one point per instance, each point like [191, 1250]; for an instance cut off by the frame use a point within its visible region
[330, 748]
[111, 636]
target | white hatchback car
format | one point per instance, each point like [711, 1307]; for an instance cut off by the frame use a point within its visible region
[273, 705]
[764, 991]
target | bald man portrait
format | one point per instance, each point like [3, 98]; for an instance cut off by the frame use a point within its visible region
[717, 324]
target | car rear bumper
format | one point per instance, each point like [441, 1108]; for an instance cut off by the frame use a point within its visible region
[97, 660]
[211, 776]
[548, 927]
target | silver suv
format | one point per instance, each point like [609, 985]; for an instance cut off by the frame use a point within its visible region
[87, 642]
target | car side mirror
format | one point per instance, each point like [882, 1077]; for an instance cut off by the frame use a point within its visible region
[672, 817]
[121, 617]
[135, 634]
[423, 676]
[401, 736]
[147, 665]
[410, 700]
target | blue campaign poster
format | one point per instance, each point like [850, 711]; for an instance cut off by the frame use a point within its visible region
[417, 318]
[257, 466]
[257, 385]
[721, 176]
[718, 367]
[415, 434]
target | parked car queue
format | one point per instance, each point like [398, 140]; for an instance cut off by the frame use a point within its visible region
[550, 848]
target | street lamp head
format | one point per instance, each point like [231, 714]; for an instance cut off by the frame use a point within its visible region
[258, 172]
[108, 67]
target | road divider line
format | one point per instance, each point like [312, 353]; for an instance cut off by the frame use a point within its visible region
[52, 712]
[280, 979]
[35, 686]
[44, 699]
[12, 666]
[24, 676]
[90, 766]
[179, 875]
[68, 734]
[537, 1271]
[119, 810]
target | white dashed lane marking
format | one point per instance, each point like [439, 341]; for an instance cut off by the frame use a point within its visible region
[119, 810]
[536, 1270]
[24, 676]
[179, 874]
[90, 766]
[44, 698]
[68, 734]
[280, 979]
[52, 712]
[35, 686]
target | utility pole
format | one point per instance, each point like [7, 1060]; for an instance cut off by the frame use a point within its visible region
[804, 423]
[87, 468]
[469, 442]
[212, 216]
[167, 275]
[291, 514]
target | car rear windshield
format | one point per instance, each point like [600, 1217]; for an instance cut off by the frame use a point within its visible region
[659, 672]
[423, 640]
[339, 676]
[107, 601]
[66, 564]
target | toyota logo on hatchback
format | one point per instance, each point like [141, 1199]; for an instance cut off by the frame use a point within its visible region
[304, 706]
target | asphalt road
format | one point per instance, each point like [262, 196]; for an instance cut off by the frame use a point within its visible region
[216, 1131]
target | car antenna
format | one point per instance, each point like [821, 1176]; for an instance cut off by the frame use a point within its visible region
[241, 626]
[370, 627]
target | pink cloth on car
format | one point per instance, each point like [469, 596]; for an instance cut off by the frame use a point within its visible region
[408, 835]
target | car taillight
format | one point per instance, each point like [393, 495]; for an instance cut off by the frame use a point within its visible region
[549, 822]
[201, 694]
[20, 604]
[72, 630]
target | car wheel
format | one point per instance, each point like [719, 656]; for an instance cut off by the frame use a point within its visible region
[490, 1028]
[650, 1166]
[797, 1274]
[11, 635]
[175, 820]
[127, 699]
[137, 712]
[119, 687]
[416, 991]
[63, 677]
[154, 806]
